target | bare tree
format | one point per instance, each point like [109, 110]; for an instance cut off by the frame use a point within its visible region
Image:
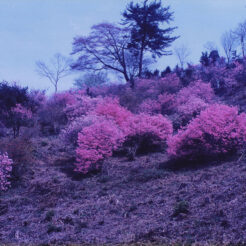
[182, 54]
[240, 35]
[92, 79]
[210, 46]
[106, 48]
[58, 68]
[228, 42]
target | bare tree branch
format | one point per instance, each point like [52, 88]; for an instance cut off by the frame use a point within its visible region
[182, 54]
[58, 68]
[106, 48]
[228, 42]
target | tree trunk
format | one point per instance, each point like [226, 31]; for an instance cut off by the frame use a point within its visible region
[140, 63]
[126, 76]
[132, 82]
[242, 44]
[56, 86]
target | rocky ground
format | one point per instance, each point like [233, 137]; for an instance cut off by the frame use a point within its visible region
[140, 201]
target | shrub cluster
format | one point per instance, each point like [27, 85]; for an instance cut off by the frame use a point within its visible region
[218, 130]
[110, 127]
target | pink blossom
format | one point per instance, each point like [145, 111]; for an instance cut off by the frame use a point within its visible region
[218, 129]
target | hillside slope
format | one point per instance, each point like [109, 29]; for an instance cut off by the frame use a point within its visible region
[137, 201]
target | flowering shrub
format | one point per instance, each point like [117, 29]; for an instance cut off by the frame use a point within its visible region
[141, 124]
[97, 142]
[109, 125]
[152, 88]
[111, 109]
[193, 99]
[192, 107]
[170, 83]
[81, 106]
[150, 106]
[217, 130]
[167, 103]
[146, 133]
[5, 170]
[197, 89]
[70, 133]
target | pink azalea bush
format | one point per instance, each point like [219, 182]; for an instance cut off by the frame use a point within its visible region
[219, 129]
[80, 106]
[110, 125]
[5, 170]
[152, 88]
[198, 89]
[141, 124]
[150, 106]
[165, 104]
[169, 84]
[112, 110]
[192, 107]
[191, 100]
[97, 142]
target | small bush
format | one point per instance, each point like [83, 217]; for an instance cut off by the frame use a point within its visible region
[218, 130]
[142, 124]
[181, 207]
[20, 150]
[52, 116]
[5, 170]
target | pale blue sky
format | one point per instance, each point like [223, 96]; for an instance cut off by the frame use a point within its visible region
[37, 29]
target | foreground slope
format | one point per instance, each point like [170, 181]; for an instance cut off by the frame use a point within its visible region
[137, 201]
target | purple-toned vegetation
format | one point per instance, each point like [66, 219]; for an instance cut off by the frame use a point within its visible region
[159, 158]
[5, 171]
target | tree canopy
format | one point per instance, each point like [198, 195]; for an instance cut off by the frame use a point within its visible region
[147, 34]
